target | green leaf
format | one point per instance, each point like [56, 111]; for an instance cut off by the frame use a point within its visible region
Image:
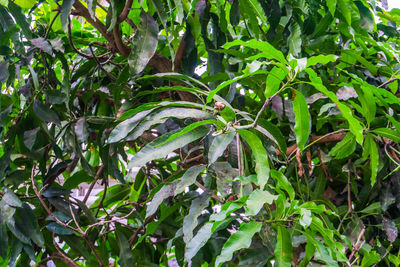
[345, 7]
[114, 15]
[226, 83]
[34, 78]
[321, 59]
[188, 178]
[239, 240]
[374, 208]
[123, 129]
[283, 249]
[77, 244]
[370, 258]
[256, 201]
[354, 124]
[368, 103]
[190, 221]
[179, 11]
[31, 224]
[282, 182]
[3, 240]
[268, 51]
[272, 132]
[163, 115]
[58, 229]
[20, 19]
[174, 76]
[344, 148]
[125, 253]
[388, 133]
[294, 39]
[257, 10]
[395, 123]
[44, 113]
[274, 79]
[302, 120]
[260, 155]
[11, 199]
[198, 241]
[165, 192]
[188, 129]
[144, 43]
[331, 6]
[218, 146]
[372, 150]
[65, 12]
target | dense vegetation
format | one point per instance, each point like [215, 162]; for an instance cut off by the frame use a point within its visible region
[240, 132]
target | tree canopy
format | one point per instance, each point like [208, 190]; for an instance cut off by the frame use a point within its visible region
[235, 133]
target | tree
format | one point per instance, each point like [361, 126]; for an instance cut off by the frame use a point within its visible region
[243, 132]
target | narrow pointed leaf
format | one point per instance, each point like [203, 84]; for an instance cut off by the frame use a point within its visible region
[302, 120]
[190, 221]
[188, 178]
[260, 155]
[388, 133]
[144, 43]
[149, 152]
[65, 12]
[344, 148]
[218, 146]
[283, 249]
[239, 240]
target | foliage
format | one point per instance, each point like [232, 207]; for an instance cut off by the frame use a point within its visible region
[284, 151]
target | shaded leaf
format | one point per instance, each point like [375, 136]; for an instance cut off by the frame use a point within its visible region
[196, 208]
[188, 178]
[218, 146]
[165, 192]
[125, 253]
[239, 240]
[149, 152]
[58, 229]
[44, 113]
[144, 43]
[198, 241]
[65, 12]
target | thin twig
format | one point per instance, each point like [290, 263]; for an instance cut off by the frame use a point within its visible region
[139, 229]
[109, 75]
[94, 250]
[98, 173]
[46, 207]
[64, 256]
[384, 255]
[110, 221]
[239, 155]
[355, 247]
[349, 187]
